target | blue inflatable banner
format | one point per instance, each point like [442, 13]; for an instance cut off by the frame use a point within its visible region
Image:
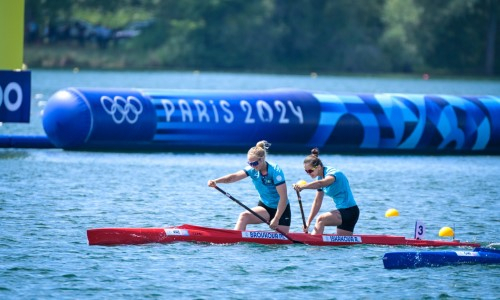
[292, 120]
[15, 96]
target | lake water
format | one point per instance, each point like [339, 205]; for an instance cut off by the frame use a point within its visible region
[50, 197]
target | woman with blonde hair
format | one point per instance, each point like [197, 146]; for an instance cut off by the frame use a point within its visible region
[269, 180]
[334, 184]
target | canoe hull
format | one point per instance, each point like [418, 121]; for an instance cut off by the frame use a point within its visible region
[192, 233]
[410, 260]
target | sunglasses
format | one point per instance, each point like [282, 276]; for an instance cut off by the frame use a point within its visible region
[310, 170]
[253, 163]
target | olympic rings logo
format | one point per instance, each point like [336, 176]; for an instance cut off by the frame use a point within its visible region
[121, 109]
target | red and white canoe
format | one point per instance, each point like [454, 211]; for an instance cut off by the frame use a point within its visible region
[192, 233]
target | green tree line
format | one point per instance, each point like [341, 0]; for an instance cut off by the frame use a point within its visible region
[359, 36]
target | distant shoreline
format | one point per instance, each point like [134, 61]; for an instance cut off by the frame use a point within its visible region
[74, 57]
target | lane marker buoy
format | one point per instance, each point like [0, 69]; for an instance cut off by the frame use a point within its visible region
[446, 231]
[391, 212]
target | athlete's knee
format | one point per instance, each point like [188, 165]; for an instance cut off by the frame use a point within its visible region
[245, 216]
[241, 216]
[321, 219]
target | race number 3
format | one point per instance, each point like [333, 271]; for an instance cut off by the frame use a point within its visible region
[419, 230]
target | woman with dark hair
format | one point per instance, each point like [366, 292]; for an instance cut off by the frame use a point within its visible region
[333, 183]
[269, 180]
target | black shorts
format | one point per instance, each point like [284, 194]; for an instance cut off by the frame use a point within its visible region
[349, 218]
[286, 217]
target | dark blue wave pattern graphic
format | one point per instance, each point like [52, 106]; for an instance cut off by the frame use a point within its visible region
[408, 122]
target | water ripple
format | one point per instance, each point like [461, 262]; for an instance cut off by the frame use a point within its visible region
[55, 196]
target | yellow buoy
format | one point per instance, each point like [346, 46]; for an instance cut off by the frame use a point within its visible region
[446, 231]
[301, 182]
[391, 212]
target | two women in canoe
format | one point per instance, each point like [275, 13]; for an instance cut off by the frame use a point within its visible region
[334, 184]
[269, 180]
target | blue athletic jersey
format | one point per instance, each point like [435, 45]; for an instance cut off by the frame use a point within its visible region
[339, 190]
[266, 185]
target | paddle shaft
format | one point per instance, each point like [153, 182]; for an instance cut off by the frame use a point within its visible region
[301, 208]
[254, 213]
